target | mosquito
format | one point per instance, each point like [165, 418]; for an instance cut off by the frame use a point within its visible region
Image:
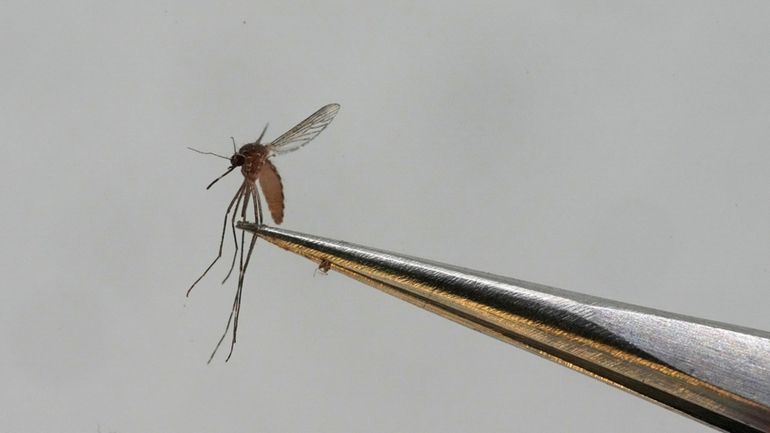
[254, 160]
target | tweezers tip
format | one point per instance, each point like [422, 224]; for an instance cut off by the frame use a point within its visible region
[251, 227]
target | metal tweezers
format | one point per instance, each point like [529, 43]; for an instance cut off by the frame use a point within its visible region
[716, 373]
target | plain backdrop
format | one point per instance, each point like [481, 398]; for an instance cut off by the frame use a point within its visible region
[618, 149]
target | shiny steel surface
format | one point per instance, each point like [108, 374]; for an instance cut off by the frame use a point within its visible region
[716, 373]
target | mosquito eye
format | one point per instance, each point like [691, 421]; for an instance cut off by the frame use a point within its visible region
[237, 160]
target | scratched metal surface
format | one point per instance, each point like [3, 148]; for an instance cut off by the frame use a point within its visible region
[716, 373]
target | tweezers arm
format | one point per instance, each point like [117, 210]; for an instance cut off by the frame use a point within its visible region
[716, 373]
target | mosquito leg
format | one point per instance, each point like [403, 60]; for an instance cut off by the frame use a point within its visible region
[257, 208]
[235, 238]
[238, 194]
[236, 312]
[237, 305]
[259, 140]
[237, 301]
[227, 328]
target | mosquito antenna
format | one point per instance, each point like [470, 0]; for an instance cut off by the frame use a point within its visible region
[259, 140]
[234, 149]
[207, 153]
[220, 177]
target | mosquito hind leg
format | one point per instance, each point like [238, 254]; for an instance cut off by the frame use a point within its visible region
[233, 318]
[257, 207]
[237, 305]
[259, 140]
[235, 238]
[238, 194]
[227, 328]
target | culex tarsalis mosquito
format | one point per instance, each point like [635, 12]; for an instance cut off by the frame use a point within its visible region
[254, 160]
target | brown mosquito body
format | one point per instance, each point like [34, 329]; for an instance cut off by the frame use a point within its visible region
[256, 168]
[254, 157]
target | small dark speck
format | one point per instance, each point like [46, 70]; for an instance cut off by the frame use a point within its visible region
[244, 21]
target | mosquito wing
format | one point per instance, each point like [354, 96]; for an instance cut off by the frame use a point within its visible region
[305, 131]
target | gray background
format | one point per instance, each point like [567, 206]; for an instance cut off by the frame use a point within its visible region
[617, 149]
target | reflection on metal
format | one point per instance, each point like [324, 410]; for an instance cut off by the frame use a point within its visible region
[716, 373]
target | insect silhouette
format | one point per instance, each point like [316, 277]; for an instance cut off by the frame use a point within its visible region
[255, 164]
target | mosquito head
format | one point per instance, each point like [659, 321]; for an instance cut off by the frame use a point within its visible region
[237, 160]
